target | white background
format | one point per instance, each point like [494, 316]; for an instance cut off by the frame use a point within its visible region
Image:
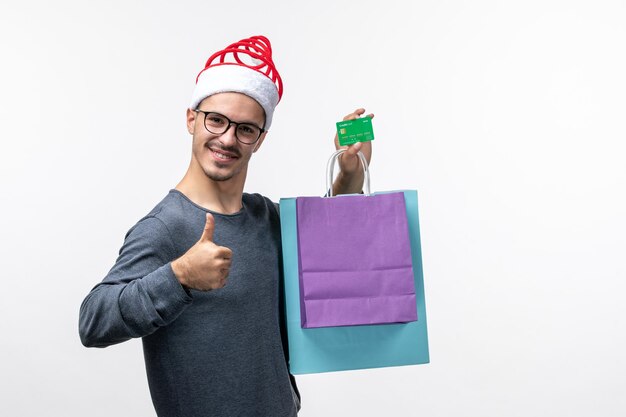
[508, 117]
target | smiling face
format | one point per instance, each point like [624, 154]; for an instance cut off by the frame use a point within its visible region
[221, 157]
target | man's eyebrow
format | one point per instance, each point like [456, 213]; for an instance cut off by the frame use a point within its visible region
[251, 122]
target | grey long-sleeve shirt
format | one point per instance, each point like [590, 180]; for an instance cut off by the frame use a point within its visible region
[216, 353]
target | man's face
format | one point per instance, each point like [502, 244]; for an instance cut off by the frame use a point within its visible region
[222, 157]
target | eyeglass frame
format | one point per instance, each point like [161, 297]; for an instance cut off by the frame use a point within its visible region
[230, 122]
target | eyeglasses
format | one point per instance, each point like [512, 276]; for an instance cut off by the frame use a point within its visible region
[218, 124]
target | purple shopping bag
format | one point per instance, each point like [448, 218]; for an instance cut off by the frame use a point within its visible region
[355, 264]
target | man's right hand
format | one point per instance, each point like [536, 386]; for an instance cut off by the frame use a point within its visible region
[205, 266]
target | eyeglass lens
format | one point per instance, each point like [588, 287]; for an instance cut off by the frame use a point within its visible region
[218, 124]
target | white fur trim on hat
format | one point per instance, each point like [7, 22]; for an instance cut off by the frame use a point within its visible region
[237, 79]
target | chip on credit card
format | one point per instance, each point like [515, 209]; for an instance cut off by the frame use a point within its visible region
[353, 131]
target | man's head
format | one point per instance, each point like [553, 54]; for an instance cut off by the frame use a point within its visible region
[232, 107]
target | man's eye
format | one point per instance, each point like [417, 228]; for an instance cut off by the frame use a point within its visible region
[216, 120]
[248, 130]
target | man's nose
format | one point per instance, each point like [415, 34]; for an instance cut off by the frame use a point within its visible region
[230, 136]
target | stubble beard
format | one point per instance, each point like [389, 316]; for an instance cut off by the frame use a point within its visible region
[218, 178]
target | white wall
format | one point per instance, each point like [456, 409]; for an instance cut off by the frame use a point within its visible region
[508, 117]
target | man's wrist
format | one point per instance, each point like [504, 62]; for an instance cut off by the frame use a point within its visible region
[348, 183]
[179, 267]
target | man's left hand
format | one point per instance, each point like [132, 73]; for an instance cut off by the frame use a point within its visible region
[350, 179]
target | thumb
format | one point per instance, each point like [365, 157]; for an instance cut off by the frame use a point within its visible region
[209, 227]
[354, 149]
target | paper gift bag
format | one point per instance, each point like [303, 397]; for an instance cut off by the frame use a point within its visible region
[355, 263]
[328, 349]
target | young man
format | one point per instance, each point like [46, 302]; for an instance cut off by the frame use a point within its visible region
[198, 277]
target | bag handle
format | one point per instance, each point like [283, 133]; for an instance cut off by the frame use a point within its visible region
[330, 167]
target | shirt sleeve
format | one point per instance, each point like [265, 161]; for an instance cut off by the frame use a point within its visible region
[139, 294]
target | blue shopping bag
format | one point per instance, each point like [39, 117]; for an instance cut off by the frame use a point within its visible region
[328, 349]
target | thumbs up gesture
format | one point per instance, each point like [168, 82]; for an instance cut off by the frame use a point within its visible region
[205, 266]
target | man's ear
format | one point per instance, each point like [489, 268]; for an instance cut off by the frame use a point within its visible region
[260, 141]
[191, 121]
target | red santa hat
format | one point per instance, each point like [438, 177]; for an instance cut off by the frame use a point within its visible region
[244, 67]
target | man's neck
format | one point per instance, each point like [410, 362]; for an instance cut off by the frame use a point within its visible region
[218, 196]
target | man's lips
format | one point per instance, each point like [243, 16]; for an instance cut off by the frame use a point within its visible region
[223, 154]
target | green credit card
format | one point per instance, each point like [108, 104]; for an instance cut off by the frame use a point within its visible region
[353, 131]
